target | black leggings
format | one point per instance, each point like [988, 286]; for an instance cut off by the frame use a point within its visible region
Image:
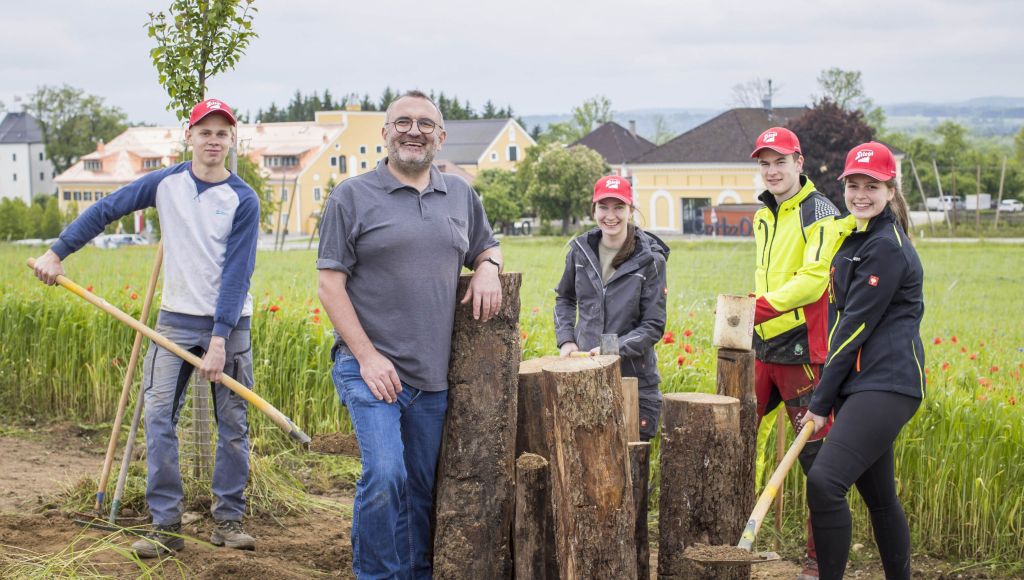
[859, 450]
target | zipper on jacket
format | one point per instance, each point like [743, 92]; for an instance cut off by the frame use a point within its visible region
[598, 272]
[821, 242]
[859, 350]
[763, 223]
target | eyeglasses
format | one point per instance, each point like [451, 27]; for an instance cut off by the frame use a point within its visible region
[404, 125]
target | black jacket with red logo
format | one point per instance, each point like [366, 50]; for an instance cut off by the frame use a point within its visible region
[876, 304]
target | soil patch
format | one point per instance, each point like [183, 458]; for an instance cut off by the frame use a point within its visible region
[335, 444]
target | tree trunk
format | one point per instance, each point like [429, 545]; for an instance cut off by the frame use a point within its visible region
[631, 408]
[533, 424]
[639, 469]
[736, 380]
[702, 499]
[590, 477]
[475, 476]
[534, 538]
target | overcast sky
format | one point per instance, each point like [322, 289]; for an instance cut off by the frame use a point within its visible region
[540, 56]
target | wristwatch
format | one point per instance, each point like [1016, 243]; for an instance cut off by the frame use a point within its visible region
[493, 261]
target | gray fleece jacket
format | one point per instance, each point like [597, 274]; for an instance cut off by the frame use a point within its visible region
[631, 304]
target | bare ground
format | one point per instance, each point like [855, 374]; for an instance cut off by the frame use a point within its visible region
[35, 465]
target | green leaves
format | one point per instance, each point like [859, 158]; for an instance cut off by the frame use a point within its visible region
[73, 121]
[558, 180]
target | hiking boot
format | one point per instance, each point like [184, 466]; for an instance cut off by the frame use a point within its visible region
[230, 533]
[810, 571]
[161, 541]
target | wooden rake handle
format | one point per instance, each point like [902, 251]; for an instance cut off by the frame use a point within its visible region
[764, 502]
[277, 417]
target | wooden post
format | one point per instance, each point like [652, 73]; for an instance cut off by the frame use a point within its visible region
[591, 487]
[938, 183]
[475, 475]
[977, 202]
[534, 537]
[999, 202]
[924, 196]
[532, 426]
[780, 452]
[631, 408]
[736, 379]
[702, 497]
[639, 471]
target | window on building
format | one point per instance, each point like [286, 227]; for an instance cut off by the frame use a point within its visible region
[362, 165]
[42, 176]
[362, 149]
[67, 196]
[151, 163]
[343, 164]
[513, 153]
[280, 161]
[78, 196]
[40, 156]
[284, 194]
[334, 161]
[380, 148]
[316, 194]
[93, 165]
[14, 156]
[15, 177]
[494, 155]
[99, 195]
[87, 195]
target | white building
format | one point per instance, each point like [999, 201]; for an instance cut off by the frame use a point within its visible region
[25, 171]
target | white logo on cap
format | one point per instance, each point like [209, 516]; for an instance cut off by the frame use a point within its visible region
[770, 136]
[864, 155]
[213, 104]
[612, 184]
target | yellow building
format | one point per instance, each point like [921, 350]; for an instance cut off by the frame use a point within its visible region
[302, 161]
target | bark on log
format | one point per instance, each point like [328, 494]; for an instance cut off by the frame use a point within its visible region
[631, 408]
[534, 538]
[736, 379]
[702, 499]
[590, 480]
[533, 424]
[640, 469]
[475, 475]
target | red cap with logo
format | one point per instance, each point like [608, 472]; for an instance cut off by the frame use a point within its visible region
[872, 159]
[208, 107]
[779, 139]
[613, 186]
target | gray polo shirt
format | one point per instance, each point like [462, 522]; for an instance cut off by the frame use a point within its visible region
[403, 251]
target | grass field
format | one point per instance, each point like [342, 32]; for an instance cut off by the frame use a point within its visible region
[959, 460]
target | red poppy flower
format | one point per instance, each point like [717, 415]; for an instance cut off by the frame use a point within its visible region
[1012, 400]
[316, 311]
[983, 381]
[973, 356]
[993, 369]
[536, 309]
[953, 339]
[134, 296]
[937, 340]
[274, 308]
[688, 348]
[89, 288]
[523, 335]
[687, 332]
[681, 360]
[945, 366]
[963, 349]
[315, 319]
[669, 338]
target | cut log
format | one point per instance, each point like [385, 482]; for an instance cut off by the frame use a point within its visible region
[532, 424]
[591, 487]
[475, 474]
[702, 499]
[639, 470]
[534, 538]
[631, 408]
[736, 380]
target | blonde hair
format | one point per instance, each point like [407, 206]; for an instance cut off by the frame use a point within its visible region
[898, 204]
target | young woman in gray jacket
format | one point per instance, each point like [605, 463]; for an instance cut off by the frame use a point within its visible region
[614, 282]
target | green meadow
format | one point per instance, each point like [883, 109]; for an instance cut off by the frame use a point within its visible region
[958, 462]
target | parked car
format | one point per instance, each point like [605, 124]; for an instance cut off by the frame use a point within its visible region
[111, 241]
[1011, 205]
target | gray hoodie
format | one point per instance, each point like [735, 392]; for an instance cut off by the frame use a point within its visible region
[631, 304]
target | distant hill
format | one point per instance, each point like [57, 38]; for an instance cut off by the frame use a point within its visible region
[983, 116]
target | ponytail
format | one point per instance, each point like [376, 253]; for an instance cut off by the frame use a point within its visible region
[898, 205]
[627, 248]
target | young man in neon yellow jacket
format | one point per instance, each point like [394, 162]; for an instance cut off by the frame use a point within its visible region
[795, 238]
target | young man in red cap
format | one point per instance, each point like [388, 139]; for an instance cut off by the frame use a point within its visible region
[209, 222]
[795, 241]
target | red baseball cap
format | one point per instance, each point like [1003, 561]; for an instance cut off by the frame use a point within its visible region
[210, 106]
[872, 159]
[613, 186]
[779, 139]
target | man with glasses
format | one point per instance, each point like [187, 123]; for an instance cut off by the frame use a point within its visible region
[393, 242]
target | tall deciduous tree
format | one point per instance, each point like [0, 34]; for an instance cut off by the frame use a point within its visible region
[558, 180]
[195, 41]
[503, 199]
[585, 118]
[72, 122]
[827, 133]
[845, 88]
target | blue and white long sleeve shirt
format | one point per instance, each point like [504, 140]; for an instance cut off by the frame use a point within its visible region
[210, 231]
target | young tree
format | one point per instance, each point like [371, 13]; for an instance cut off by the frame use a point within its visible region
[585, 118]
[558, 180]
[503, 200]
[72, 122]
[846, 89]
[195, 41]
[827, 133]
[662, 132]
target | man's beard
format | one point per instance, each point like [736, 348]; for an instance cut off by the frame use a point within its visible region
[410, 165]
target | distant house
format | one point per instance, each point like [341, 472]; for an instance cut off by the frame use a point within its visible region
[617, 145]
[479, 144]
[25, 171]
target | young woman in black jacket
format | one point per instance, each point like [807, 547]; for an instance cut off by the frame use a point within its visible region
[873, 379]
[614, 282]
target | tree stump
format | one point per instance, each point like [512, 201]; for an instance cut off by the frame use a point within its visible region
[640, 469]
[534, 537]
[532, 424]
[702, 497]
[736, 379]
[475, 476]
[631, 408]
[591, 488]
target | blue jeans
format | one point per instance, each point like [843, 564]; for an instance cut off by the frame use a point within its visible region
[399, 443]
[164, 383]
